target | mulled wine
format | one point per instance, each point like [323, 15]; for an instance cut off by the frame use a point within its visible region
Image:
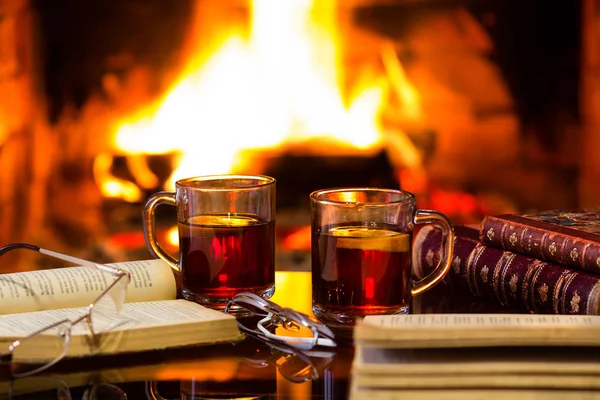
[224, 254]
[360, 270]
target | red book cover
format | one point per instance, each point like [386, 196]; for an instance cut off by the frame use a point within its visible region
[571, 238]
[512, 279]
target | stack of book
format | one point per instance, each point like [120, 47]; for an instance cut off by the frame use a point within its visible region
[547, 263]
[544, 269]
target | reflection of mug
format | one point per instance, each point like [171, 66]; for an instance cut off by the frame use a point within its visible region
[361, 253]
[218, 372]
[226, 236]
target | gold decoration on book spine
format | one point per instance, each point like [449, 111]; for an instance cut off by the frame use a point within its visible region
[552, 248]
[598, 261]
[514, 280]
[574, 254]
[528, 246]
[513, 239]
[490, 233]
[471, 270]
[575, 302]
[510, 257]
[484, 273]
[456, 264]
[560, 292]
[592, 303]
[543, 292]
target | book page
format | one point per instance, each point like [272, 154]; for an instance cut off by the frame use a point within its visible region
[373, 393]
[464, 330]
[79, 286]
[467, 321]
[132, 315]
[489, 381]
[139, 327]
[494, 360]
[163, 313]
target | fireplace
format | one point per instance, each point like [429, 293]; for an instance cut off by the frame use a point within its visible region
[477, 106]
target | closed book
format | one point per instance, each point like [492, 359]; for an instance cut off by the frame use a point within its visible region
[512, 279]
[571, 238]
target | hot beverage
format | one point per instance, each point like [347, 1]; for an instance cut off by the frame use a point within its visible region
[223, 254]
[226, 237]
[360, 270]
[361, 253]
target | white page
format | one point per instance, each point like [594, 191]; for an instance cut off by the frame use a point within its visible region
[475, 321]
[81, 285]
[144, 314]
[465, 330]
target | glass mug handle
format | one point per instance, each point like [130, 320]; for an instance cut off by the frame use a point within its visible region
[439, 219]
[150, 228]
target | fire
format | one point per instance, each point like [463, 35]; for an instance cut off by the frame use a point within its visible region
[276, 85]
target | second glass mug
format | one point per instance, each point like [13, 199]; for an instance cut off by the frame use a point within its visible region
[226, 229]
[361, 253]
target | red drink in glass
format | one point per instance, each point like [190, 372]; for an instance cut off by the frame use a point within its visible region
[360, 270]
[224, 254]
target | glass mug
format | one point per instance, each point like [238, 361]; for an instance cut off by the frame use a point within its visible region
[226, 229]
[361, 253]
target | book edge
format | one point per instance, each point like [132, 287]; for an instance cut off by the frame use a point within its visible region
[545, 226]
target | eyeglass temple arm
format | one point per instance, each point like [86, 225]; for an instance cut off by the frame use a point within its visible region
[306, 321]
[323, 336]
[74, 260]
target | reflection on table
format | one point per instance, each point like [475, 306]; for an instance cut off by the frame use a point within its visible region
[247, 369]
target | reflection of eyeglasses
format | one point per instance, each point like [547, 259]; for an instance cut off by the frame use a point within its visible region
[45, 385]
[99, 316]
[310, 333]
[293, 364]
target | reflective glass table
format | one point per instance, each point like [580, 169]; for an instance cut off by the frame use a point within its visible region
[249, 369]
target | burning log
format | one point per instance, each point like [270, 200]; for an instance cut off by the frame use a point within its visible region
[299, 175]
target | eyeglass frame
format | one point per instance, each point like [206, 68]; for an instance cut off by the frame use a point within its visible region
[87, 316]
[285, 317]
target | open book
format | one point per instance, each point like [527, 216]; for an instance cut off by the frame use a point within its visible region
[152, 318]
[78, 286]
[477, 330]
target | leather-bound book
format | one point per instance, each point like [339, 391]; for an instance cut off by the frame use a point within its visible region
[571, 238]
[512, 279]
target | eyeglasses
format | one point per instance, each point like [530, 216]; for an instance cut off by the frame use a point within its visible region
[308, 332]
[99, 316]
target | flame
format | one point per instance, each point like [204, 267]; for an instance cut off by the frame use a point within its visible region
[111, 186]
[277, 86]
[173, 236]
[406, 92]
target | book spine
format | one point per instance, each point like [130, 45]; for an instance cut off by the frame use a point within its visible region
[555, 247]
[512, 279]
